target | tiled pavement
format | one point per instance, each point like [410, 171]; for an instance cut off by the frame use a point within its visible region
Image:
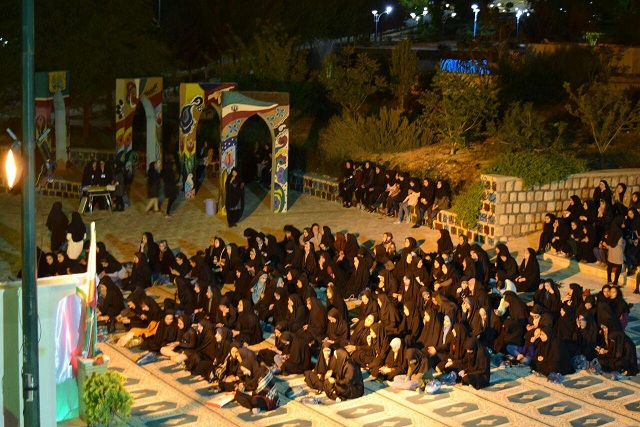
[165, 397]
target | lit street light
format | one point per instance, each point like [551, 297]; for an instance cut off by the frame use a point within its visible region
[519, 13]
[476, 10]
[376, 18]
[425, 12]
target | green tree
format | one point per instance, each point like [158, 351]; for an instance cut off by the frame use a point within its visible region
[404, 70]
[270, 56]
[523, 128]
[458, 106]
[604, 113]
[352, 78]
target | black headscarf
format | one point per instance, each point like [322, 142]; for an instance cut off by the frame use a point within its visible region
[77, 227]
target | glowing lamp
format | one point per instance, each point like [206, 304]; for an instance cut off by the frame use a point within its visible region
[11, 169]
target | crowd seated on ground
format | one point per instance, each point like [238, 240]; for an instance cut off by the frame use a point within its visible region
[413, 319]
[604, 230]
[393, 193]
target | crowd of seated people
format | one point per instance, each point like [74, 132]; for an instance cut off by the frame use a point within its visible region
[604, 230]
[393, 193]
[421, 316]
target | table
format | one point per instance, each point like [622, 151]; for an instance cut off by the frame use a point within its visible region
[91, 193]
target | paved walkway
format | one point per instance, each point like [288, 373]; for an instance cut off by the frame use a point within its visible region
[165, 396]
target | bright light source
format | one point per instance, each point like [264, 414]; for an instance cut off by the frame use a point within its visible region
[375, 12]
[388, 9]
[453, 15]
[413, 15]
[11, 169]
[474, 7]
[519, 14]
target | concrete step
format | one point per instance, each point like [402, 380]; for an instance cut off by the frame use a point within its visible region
[627, 282]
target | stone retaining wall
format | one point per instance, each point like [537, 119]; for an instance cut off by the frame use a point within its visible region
[315, 185]
[509, 210]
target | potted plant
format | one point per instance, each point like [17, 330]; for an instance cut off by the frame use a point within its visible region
[107, 402]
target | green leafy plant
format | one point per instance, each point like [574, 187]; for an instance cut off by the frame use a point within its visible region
[388, 132]
[604, 113]
[351, 78]
[523, 128]
[537, 168]
[467, 204]
[404, 70]
[458, 106]
[107, 401]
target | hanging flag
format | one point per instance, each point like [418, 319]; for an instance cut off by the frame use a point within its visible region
[89, 293]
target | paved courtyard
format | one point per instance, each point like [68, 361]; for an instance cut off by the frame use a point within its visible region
[165, 396]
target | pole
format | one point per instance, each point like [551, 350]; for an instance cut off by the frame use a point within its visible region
[376, 18]
[159, 11]
[475, 23]
[30, 367]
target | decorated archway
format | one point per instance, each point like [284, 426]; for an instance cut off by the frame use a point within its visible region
[129, 94]
[234, 109]
[52, 96]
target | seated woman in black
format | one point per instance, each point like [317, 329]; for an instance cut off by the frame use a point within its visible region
[185, 340]
[140, 273]
[559, 241]
[316, 377]
[548, 296]
[259, 381]
[247, 328]
[616, 352]
[345, 381]
[529, 277]
[338, 332]
[112, 303]
[445, 245]
[551, 355]
[586, 336]
[394, 364]
[476, 365]
[296, 354]
[586, 245]
[373, 354]
[389, 315]
[574, 210]
[347, 184]
[547, 232]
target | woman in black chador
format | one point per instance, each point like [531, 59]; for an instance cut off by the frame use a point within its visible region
[57, 223]
[234, 199]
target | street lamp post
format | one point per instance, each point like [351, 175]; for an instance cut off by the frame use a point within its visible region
[30, 367]
[518, 15]
[476, 10]
[376, 19]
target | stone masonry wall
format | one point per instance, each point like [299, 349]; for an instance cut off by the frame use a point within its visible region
[516, 211]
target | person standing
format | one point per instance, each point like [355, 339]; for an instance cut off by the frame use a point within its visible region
[118, 181]
[153, 186]
[170, 186]
[57, 223]
[234, 199]
[76, 233]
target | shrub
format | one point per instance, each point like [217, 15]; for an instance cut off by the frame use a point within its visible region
[468, 203]
[356, 136]
[523, 128]
[106, 399]
[537, 168]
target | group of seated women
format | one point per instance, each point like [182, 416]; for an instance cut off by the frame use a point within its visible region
[604, 230]
[421, 315]
[370, 187]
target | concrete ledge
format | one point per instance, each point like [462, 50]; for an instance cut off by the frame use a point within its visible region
[625, 282]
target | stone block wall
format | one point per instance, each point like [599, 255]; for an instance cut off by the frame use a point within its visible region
[509, 210]
[315, 185]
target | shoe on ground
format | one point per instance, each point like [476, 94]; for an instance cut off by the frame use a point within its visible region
[397, 222]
